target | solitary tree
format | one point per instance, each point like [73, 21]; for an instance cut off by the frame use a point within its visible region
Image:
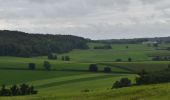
[130, 59]
[93, 68]
[67, 58]
[47, 65]
[32, 66]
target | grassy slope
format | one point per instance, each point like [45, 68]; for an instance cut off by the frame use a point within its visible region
[148, 92]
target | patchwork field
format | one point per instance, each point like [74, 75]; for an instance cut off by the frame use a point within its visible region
[71, 80]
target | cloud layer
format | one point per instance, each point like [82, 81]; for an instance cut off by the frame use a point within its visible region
[95, 19]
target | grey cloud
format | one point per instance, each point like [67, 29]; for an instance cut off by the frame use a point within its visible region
[151, 1]
[95, 19]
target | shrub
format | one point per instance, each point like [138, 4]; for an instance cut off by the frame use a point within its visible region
[119, 60]
[124, 82]
[107, 69]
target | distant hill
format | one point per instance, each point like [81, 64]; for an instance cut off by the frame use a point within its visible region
[15, 43]
[135, 40]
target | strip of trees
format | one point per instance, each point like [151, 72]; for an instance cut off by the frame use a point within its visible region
[145, 78]
[65, 58]
[94, 68]
[120, 60]
[52, 56]
[103, 47]
[161, 58]
[46, 65]
[15, 90]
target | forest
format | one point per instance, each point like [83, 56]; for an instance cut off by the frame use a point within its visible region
[20, 44]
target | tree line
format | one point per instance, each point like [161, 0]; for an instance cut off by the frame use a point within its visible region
[145, 78]
[15, 90]
[94, 68]
[47, 66]
[103, 47]
[15, 43]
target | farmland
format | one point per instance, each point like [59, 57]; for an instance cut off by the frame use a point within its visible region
[71, 79]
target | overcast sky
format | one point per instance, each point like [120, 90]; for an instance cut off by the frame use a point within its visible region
[95, 19]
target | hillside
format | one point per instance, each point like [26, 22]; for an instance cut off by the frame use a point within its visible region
[15, 43]
[135, 40]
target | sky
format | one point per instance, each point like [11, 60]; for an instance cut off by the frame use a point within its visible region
[94, 19]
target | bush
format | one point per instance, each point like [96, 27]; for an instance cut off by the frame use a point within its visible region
[93, 68]
[124, 82]
[119, 60]
[32, 66]
[107, 69]
[86, 90]
[127, 47]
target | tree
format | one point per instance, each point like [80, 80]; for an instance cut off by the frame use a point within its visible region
[119, 60]
[32, 90]
[143, 72]
[24, 89]
[63, 58]
[93, 68]
[32, 66]
[14, 90]
[47, 65]
[67, 58]
[169, 66]
[107, 69]
[130, 59]
[4, 91]
[155, 44]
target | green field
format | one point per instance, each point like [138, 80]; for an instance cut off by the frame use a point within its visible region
[69, 80]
